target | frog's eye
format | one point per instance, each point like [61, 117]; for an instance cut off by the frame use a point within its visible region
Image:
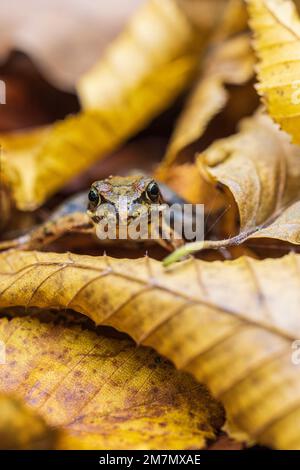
[94, 197]
[153, 191]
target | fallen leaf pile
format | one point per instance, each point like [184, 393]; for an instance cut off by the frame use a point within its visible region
[204, 95]
[190, 315]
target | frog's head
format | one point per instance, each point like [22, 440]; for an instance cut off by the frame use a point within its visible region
[124, 198]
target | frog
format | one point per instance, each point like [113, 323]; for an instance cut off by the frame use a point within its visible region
[80, 213]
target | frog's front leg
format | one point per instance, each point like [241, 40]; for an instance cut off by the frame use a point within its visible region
[172, 241]
[71, 216]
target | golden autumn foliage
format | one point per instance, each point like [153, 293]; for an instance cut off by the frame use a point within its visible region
[180, 82]
[190, 315]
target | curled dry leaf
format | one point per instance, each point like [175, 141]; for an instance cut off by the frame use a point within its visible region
[261, 169]
[120, 96]
[259, 166]
[286, 227]
[277, 43]
[224, 322]
[22, 428]
[104, 393]
[231, 63]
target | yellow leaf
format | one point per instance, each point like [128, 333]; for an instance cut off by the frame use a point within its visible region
[276, 27]
[227, 323]
[22, 428]
[103, 392]
[231, 63]
[142, 72]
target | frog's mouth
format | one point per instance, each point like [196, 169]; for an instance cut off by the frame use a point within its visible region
[136, 222]
[110, 213]
[117, 218]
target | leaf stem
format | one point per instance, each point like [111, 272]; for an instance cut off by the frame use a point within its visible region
[191, 248]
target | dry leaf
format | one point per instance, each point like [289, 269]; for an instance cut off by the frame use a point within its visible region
[138, 77]
[259, 166]
[277, 43]
[22, 428]
[261, 169]
[227, 323]
[231, 63]
[103, 392]
[286, 227]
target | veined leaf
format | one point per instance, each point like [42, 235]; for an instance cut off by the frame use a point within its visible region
[102, 392]
[227, 323]
[286, 227]
[277, 43]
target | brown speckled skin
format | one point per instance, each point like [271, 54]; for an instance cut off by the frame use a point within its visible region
[134, 188]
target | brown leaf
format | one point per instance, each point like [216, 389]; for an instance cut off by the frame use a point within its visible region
[261, 169]
[227, 323]
[259, 166]
[103, 392]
